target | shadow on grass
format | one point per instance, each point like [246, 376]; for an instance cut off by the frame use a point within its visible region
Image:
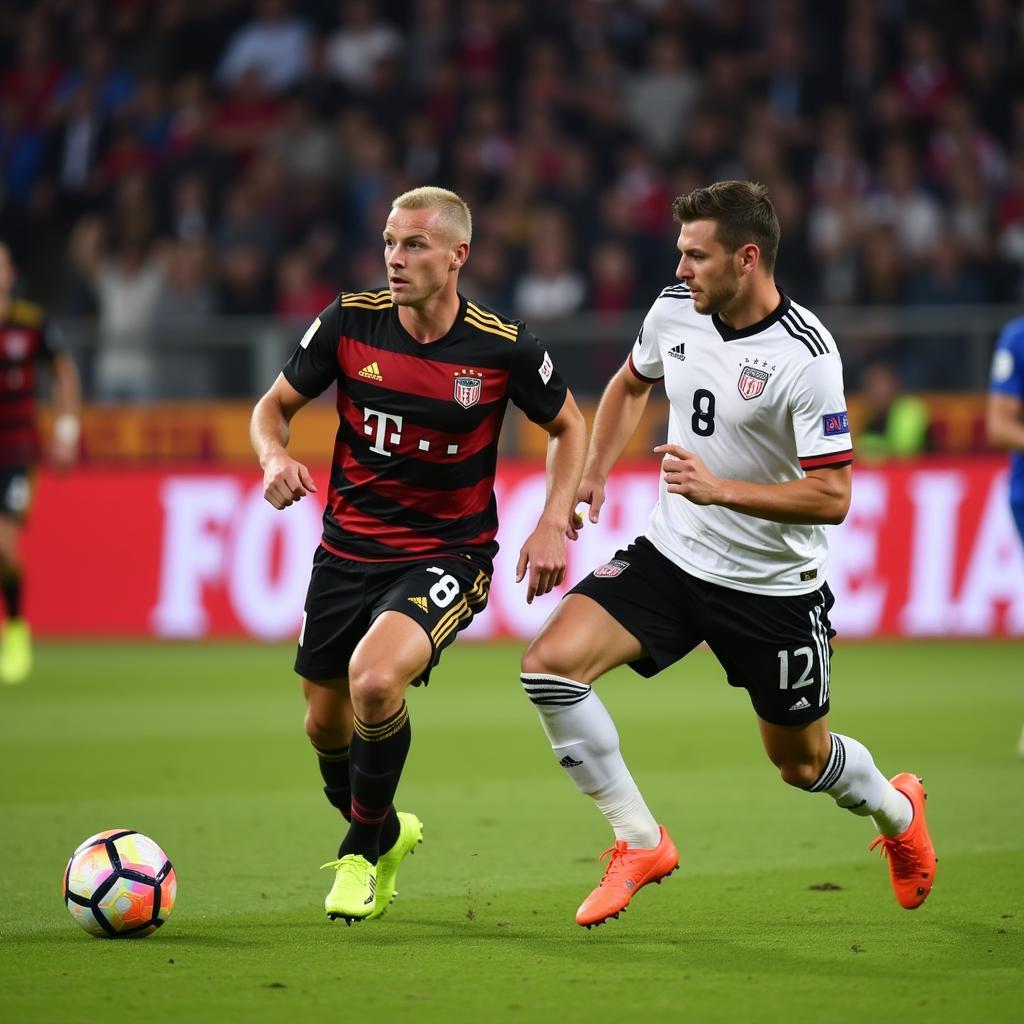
[889, 946]
[63, 937]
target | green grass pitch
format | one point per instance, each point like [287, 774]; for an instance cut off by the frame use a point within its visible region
[779, 914]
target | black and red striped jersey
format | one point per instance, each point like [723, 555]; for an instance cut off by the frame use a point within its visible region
[27, 340]
[417, 442]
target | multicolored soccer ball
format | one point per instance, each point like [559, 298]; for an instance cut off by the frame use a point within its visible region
[119, 884]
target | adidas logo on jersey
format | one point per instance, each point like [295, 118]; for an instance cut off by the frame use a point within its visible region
[801, 705]
[371, 371]
[679, 352]
[420, 602]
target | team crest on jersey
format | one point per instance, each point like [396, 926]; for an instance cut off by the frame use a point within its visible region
[546, 368]
[613, 568]
[469, 386]
[16, 344]
[752, 382]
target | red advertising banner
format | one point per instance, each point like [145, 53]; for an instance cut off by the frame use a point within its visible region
[928, 549]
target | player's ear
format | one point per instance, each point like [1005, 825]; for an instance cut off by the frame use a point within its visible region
[750, 257]
[460, 256]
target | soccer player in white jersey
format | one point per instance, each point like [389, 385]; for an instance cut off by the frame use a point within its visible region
[759, 457]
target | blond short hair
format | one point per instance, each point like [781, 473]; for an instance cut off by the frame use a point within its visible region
[453, 209]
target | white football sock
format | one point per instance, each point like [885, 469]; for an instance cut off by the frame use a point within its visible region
[586, 743]
[852, 780]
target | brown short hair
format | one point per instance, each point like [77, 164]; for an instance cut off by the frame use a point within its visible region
[742, 213]
[453, 208]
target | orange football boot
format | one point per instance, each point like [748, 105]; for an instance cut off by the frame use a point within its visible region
[628, 871]
[911, 855]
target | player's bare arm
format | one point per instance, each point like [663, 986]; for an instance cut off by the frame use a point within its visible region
[544, 551]
[821, 497]
[285, 480]
[1005, 422]
[618, 414]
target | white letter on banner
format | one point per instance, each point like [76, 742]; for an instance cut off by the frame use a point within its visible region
[630, 498]
[995, 571]
[197, 511]
[268, 602]
[518, 512]
[937, 497]
[853, 572]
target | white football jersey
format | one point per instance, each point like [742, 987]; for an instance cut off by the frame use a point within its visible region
[761, 404]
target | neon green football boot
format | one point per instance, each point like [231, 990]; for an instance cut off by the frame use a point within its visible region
[410, 834]
[15, 652]
[355, 884]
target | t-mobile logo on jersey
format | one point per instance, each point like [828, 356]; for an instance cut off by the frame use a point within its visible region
[385, 421]
[389, 428]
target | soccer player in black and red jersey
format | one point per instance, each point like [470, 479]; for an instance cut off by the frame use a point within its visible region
[423, 379]
[27, 340]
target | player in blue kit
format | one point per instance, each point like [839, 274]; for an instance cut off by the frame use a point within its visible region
[1006, 418]
[1006, 410]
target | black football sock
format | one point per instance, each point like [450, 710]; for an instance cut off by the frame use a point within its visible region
[10, 587]
[389, 831]
[334, 768]
[377, 754]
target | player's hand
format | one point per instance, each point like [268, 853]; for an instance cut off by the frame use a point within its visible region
[590, 492]
[544, 555]
[575, 524]
[286, 481]
[686, 474]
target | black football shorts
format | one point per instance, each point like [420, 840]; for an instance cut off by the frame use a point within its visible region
[346, 596]
[777, 648]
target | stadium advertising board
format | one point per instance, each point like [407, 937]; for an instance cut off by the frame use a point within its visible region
[927, 550]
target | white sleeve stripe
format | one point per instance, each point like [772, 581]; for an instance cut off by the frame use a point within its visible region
[310, 331]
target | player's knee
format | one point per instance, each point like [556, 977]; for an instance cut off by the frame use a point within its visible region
[800, 774]
[546, 656]
[373, 686]
[324, 733]
[534, 660]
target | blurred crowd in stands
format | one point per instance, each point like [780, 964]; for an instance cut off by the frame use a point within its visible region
[167, 161]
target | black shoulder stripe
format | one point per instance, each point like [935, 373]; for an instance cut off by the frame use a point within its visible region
[796, 332]
[792, 332]
[816, 334]
[676, 291]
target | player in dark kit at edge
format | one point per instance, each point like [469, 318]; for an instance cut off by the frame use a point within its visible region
[423, 379]
[27, 340]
